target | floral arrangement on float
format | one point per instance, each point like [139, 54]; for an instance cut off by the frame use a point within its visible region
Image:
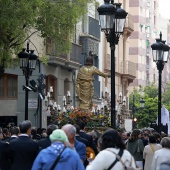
[92, 118]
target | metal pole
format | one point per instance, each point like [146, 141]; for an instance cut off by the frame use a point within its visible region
[74, 91]
[112, 46]
[113, 113]
[26, 98]
[159, 102]
[40, 107]
[133, 112]
[27, 83]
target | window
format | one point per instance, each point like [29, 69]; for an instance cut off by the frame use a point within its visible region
[154, 5]
[9, 86]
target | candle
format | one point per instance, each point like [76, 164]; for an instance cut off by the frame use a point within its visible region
[64, 110]
[46, 99]
[93, 110]
[51, 88]
[68, 93]
[48, 94]
[59, 108]
[72, 107]
[55, 104]
[64, 99]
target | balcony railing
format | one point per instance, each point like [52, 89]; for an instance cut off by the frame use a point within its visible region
[75, 54]
[72, 60]
[128, 68]
[94, 27]
[129, 25]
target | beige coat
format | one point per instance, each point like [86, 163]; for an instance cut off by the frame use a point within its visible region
[148, 154]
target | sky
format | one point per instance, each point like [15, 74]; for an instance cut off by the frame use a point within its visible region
[164, 8]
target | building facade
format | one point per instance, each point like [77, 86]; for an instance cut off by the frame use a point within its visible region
[145, 14]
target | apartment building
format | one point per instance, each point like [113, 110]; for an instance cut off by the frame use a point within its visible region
[147, 27]
[164, 28]
[145, 15]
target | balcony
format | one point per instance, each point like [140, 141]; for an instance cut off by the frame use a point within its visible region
[94, 28]
[129, 25]
[70, 61]
[89, 39]
[128, 71]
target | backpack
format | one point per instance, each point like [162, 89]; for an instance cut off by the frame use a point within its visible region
[118, 158]
[164, 166]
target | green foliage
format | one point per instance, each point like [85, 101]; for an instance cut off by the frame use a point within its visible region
[136, 96]
[151, 90]
[49, 18]
[44, 59]
[148, 114]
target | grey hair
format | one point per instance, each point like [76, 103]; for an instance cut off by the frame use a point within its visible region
[72, 130]
[165, 142]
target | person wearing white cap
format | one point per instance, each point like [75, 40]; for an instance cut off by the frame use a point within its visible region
[68, 159]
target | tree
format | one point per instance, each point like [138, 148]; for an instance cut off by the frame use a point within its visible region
[136, 95]
[148, 114]
[151, 90]
[20, 19]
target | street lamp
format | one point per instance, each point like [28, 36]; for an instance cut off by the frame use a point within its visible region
[28, 62]
[112, 21]
[160, 52]
[134, 109]
[121, 109]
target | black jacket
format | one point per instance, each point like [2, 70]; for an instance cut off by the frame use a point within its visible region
[23, 152]
[4, 156]
[90, 139]
[44, 143]
[83, 140]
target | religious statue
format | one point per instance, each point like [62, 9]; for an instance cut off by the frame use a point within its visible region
[84, 83]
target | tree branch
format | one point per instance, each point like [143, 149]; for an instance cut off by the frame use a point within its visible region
[30, 35]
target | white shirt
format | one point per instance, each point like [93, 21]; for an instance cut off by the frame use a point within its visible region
[105, 158]
[161, 155]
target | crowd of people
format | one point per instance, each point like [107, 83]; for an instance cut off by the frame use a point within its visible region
[29, 148]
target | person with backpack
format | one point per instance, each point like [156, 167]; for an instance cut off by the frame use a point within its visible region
[58, 156]
[113, 154]
[161, 156]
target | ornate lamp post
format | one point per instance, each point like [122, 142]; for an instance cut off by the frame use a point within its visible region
[160, 52]
[28, 61]
[112, 21]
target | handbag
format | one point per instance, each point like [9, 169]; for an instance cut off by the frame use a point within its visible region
[56, 161]
[152, 148]
[138, 149]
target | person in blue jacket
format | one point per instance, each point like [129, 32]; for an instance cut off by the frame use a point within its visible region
[69, 159]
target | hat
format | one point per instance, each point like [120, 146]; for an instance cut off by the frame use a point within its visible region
[58, 134]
